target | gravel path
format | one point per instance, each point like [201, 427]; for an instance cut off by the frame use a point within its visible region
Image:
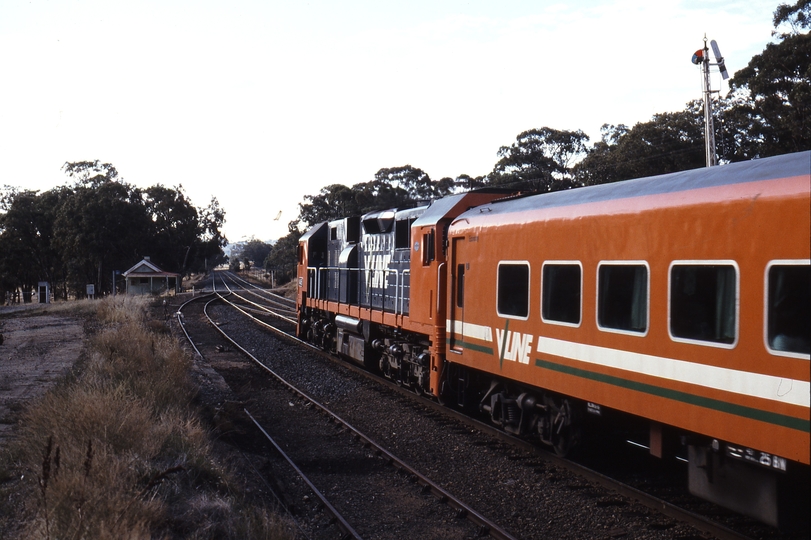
[36, 350]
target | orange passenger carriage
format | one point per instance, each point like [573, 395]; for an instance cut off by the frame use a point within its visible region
[683, 300]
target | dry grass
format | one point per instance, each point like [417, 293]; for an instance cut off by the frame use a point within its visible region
[288, 290]
[118, 451]
[78, 308]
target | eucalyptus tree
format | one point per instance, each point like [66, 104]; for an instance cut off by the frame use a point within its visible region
[768, 110]
[331, 202]
[100, 226]
[669, 142]
[381, 193]
[26, 239]
[79, 234]
[210, 240]
[255, 251]
[282, 259]
[174, 227]
[461, 184]
[415, 183]
[540, 160]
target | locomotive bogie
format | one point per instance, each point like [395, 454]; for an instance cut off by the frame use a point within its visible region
[399, 356]
[405, 360]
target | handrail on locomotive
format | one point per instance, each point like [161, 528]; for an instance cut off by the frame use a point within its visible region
[319, 277]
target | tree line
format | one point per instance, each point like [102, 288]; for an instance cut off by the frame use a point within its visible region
[766, 112]
[78, 234]
[82, 233]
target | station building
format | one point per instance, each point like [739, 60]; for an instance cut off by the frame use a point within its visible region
[147, 278]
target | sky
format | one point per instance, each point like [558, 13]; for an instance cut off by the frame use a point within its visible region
[262, 102]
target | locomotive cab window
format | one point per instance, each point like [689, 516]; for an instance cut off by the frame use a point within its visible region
[428, 247]
[561, 286]
[460, 286]
[512, 290]
[788, 308]
[704, 302]
[402, 234]
[622, 297]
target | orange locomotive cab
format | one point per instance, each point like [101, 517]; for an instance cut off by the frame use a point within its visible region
[430, 272]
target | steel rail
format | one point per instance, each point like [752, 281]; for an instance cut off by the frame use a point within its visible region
[700, 523]
[345, 527]
[485, 525]
[258, 306]
[265, 293]
[697, 521]
[179, 315]
[340, 521]
[272, 303]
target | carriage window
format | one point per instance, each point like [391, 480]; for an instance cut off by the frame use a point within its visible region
[788, 310]
[513, 290]
[622, 297]
[561, 294]
[703, 302]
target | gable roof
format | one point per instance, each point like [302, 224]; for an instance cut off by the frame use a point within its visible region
[147, 268]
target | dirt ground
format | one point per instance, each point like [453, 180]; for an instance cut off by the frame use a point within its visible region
[37, 349]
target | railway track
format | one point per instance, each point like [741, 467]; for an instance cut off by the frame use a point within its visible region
[364, 467]
[262, 303]
[664, 520]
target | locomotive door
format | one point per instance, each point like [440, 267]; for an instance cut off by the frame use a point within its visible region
[456, 311]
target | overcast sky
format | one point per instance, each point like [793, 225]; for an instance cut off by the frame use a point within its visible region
[259, 103]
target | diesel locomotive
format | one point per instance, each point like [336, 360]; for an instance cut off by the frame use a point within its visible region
[682, 301]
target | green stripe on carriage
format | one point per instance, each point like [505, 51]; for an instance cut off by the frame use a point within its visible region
[471, 346]
[692, 399]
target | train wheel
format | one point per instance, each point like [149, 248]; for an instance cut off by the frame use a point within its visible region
[384, 367]
[454, 392]
[417, 387]
[564, 430]
[443, 393]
